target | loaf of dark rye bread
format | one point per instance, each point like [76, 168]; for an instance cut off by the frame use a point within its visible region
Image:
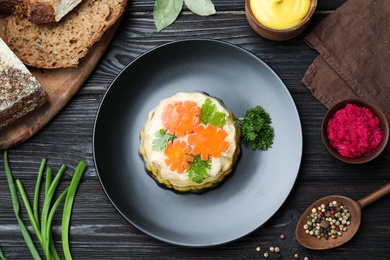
[20, 92]
[62, 44]
[39, 11]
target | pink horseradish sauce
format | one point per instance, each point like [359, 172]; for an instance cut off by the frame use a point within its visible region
[354, 131]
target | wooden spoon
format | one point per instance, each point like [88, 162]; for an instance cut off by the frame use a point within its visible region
[354, 208]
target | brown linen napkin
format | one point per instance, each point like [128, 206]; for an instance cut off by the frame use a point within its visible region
[354, 47]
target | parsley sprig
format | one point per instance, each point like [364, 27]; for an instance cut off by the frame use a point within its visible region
[198, 170]
[210, 114]
[256, 129]
[162, 140]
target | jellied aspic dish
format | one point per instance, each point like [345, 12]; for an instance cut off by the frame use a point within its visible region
[190, 142]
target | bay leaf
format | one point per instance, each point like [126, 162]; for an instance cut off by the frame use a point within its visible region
[201, 7]
[166, 12]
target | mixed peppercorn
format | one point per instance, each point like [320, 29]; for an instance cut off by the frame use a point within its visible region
[275, 252]
[328, 220]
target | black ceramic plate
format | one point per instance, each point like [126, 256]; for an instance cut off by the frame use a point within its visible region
[261, 181]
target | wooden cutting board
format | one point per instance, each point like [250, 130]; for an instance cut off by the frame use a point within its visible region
[60, 85]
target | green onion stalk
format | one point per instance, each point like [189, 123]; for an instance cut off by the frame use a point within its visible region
[2, 256]
[68, 205]
[16, 207]
[42, 225]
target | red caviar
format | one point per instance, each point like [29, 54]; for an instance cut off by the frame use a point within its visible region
[354, 131]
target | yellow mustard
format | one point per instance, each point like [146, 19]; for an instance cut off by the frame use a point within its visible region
[280, 14]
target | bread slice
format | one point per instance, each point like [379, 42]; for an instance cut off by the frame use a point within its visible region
[47, 11]
[39, 11]
[20, 91]
[62, 44]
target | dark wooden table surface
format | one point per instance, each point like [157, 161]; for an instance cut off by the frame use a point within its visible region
[98, 231]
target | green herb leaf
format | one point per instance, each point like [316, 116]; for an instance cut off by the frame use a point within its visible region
[166, 12]
[162, 140]
[198, 169]
[256, 129]
[201, 7]
[210, 115]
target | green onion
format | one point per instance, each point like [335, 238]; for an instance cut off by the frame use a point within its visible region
[37, 191]
[2, 256]
[43, 226]
[30, 213]
[68, 208]
[46, 208]
[48, 234]
[48, 180]
[49, 195]
[44, 241]
[16, 206]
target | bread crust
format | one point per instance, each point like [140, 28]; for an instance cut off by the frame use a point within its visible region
[20, 91]
[39, 11]
[10, 6]
[17, 108]
[62, 44]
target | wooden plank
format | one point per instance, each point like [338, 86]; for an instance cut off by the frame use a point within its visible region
[60, 85]
[99, 232]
